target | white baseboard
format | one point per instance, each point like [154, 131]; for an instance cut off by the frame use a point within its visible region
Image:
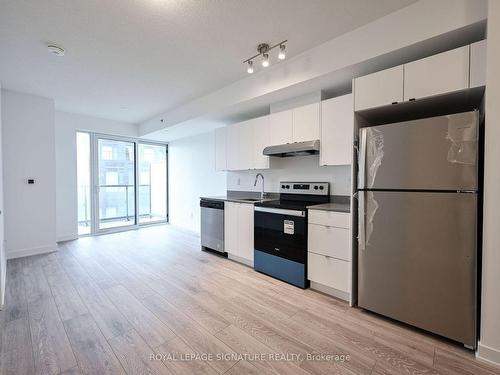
[32, 251]
[69, 237]
[246, 262]
[330, 291]
[488, 354]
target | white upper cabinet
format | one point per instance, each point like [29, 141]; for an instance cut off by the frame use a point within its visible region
[281, 128]
[245, 142]
[295, 125]
[232, 148]
[478, 64]
[260, 141]
[379, 89]
[337, 130]
[438, 74]
[245, 145]
[446, 72]
[306, 121]
[220, 149]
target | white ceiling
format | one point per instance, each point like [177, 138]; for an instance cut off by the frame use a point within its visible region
[151, 56]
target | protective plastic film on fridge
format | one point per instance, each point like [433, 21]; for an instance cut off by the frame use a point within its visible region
[417, 234]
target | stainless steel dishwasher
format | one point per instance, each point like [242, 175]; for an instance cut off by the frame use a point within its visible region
[212, 225]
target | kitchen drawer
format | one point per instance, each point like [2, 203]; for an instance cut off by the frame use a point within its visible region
[330, 218]
[331, 272]
[331, 241]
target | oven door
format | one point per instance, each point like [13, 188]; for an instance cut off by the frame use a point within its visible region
[281, 232]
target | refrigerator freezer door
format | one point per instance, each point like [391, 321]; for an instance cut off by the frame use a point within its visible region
[418, 260]
[438, 153]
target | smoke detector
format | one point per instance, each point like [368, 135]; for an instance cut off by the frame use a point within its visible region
[55, 50]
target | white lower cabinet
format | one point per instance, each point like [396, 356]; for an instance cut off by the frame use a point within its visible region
[330, 252]
[245, 231]
[330, 218]
[231, 227]
[331, 272]
[238, 231]
[330, 241]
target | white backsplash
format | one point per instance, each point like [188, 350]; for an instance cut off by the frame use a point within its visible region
[299, 168]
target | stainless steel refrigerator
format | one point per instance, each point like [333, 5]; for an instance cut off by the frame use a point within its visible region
[417, 223]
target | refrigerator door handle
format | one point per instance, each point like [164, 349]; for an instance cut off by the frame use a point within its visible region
[362, 160]
[361, 221]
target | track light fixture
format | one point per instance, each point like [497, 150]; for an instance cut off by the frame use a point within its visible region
[263, 50]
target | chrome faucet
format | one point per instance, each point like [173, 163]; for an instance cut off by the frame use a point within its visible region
[262, 194]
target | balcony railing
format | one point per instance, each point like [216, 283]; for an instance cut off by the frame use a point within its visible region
[119, 198]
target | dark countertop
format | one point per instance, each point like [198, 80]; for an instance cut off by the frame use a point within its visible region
[218, 198]
[249, 200]
[338, 207]
[249, 197]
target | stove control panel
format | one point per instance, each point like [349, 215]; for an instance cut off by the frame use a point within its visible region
[316, 188]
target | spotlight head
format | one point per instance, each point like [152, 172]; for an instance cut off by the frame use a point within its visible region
[265, 61]
[282, 52]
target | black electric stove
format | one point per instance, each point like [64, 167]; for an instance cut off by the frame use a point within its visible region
[280, 231]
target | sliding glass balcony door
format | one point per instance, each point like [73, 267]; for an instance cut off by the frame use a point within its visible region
[122, 183]
[116, 180]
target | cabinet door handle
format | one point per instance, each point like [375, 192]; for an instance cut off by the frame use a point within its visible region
[412, 99]
[394, 103]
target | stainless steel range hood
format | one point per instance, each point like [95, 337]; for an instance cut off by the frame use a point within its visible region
[293, 149]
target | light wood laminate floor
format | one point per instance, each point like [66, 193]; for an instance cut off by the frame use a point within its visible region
[150, 302]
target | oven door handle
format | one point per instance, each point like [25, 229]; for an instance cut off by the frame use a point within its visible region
[281, 211]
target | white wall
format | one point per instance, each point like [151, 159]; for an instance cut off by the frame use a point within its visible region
[191, 175]
[28, 151]
[3, 263]
[489, 346]
[66, 126]
[300, 168]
